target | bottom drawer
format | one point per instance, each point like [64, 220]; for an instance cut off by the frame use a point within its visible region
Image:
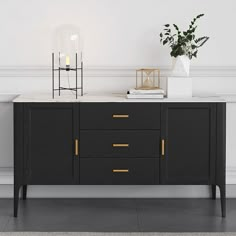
[119, 171]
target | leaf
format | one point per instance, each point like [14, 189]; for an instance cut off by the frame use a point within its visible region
[161, 35]
[199, 16]
[201, 41]
[195, 54]
[165, 41]
[189, 37]
[167, 25]
[193, 29]
[176, 27]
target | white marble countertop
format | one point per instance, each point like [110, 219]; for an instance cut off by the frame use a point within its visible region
[41, 98]
[229, 98]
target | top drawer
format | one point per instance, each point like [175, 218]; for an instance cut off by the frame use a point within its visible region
[120, 116]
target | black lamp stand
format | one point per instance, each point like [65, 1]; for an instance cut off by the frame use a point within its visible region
[67, 68]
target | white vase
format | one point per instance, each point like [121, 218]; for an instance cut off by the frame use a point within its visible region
[180, 66]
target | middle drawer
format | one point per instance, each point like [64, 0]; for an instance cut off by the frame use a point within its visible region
[120, 143]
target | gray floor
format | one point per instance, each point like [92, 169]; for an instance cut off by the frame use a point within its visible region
[118, 215]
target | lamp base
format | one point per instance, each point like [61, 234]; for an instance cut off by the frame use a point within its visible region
[67, 68]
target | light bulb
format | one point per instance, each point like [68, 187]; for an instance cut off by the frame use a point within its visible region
[73, 37]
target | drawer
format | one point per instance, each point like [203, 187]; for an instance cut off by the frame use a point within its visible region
[120, 116]
[116, 143]
[119, 171]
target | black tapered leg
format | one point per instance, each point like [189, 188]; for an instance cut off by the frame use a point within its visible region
[223, 200]
[213, 191]
[24, 192]
[16, 199]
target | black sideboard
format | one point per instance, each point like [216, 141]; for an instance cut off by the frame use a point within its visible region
[106, 143]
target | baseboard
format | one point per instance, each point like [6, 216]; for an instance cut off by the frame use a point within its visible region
[6, 189]
[6, 176]
[147, 191]
[231, 175]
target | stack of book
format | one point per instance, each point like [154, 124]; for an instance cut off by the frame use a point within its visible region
[141, 93]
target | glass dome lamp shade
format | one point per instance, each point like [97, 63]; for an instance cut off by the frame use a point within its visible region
[66, 45]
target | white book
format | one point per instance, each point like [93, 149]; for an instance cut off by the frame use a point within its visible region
[143, 91]
[145, 96]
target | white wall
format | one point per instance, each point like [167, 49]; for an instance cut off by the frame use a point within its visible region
[115, 33]
[118, 37]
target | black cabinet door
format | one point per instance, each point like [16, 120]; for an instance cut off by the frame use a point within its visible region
[50, 133]
[188, 130]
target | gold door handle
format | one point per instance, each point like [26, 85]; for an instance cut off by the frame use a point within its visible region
[120, 145]
[120, 170]
[163, 147]
[115, 116]
[76, 147]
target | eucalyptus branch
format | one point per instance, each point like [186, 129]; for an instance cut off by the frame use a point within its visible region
[183, 42]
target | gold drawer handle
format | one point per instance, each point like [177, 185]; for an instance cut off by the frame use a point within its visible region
[163, 147]
[120, 145]
[120, 170]
[76, 147]
[120, 116]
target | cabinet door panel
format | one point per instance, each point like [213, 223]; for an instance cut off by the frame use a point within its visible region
[49, 143]
[189, 133]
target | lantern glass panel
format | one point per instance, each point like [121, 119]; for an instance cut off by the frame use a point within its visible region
[67, 43]
[147, 79]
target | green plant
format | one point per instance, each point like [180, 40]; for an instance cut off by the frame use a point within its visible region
[183, 42]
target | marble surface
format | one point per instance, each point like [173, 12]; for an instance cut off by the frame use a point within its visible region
[229, 98]
[7, 97]
[109, 98]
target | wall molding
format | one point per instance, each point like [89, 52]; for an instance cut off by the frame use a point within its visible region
[104, 71]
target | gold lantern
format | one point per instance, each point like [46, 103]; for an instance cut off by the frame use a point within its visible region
[147, 79]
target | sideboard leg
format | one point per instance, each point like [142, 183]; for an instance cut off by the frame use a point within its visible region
[16, 199]
[223, 200]
[213, 191]
[24, 192]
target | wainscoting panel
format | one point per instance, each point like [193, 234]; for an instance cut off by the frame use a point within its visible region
[31, 79]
